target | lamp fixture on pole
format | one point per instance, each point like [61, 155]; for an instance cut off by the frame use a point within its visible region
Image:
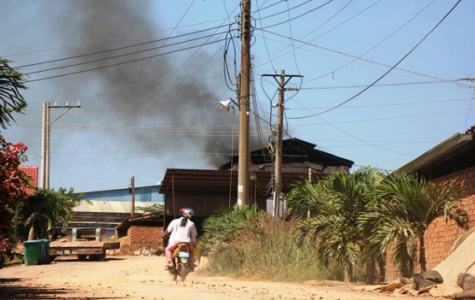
[226, 104]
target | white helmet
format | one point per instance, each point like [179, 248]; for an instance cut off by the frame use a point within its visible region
[188, 212]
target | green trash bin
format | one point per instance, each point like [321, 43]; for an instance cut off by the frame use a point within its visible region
[44, 252]
[32, 252]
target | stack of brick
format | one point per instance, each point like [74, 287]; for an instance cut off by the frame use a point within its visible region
[144, 236]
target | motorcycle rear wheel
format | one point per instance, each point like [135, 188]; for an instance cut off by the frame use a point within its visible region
[183, 272]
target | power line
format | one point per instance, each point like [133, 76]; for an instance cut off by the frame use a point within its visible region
[377, 85]
[387, 72]
[388, 104]
[390, 118]
[109, 39]
[125, 47]
[126, 62]
[364, 59]
[299, 16]
[122, 55]
[285, 11]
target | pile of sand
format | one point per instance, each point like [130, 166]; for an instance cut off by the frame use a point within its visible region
[461, 260]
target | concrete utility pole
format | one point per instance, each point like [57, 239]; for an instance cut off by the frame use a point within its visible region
[244, 97]
[278, 144]
[45, 141]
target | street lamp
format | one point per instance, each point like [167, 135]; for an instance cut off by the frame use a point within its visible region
[226, 104]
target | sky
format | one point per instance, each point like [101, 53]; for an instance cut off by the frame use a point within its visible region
[382, 81]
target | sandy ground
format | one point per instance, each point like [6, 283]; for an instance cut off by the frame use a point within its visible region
[143, 277]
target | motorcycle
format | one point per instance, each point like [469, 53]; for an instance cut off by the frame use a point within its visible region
[181, 262]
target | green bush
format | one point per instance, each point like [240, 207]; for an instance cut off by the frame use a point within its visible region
[250, 243]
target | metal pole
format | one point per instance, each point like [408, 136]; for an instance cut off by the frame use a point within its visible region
[278, 146]
[132, 206]
[243, 163]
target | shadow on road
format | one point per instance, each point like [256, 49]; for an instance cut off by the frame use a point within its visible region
[12, 288]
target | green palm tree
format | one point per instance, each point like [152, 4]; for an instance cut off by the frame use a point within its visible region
[336, 204]
[10, 98]
[305, 199]
[403, 208]
[46, 208]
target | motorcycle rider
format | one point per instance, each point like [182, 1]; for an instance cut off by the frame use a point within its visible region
[185, 232]
[170, 232]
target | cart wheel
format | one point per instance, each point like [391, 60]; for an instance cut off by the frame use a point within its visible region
[82, 256]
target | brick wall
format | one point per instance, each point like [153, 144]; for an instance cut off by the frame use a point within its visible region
[32, 172]
[440, 236]
[144, 236]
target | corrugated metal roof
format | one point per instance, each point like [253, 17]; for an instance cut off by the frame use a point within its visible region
[451, 144]
[142, 194]
[105, 206]
[219, 182]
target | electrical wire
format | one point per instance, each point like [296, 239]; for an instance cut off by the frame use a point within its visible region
[109, 39]
[346, 21]
[122, 48]
[376, 85]
[375, 46]
[265, 41]
[392, 68]
[366, 60]
[291, 35]
[297, 17]
[285, 11]
[267, 7]
[122, 55]
[391, 118]
[126, 62]
[389, 104]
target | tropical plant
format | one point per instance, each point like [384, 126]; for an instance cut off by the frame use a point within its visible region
[306, 199]
[11, 100]
[266, 250]
[403, 208]
[336, 204]
[47, 208]
[222, 228]
[13, 185]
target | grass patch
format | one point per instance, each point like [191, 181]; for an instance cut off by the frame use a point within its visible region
[265, 249]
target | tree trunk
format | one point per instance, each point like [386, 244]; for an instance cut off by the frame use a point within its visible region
[31, 233]
[370, 271]
[348, 276]
[422, 253]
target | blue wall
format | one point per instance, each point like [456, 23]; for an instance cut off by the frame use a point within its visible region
[142, 194]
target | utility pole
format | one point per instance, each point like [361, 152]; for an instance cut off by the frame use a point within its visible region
[132, 191]
[244, 97]
[278, 144]
[45, 140]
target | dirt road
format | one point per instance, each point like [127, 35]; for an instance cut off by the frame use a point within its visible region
[138, 277]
